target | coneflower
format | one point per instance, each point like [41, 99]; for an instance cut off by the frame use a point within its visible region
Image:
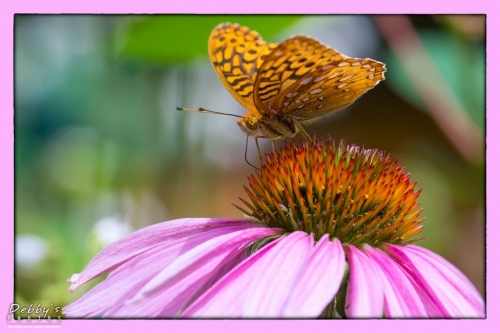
[329, 233]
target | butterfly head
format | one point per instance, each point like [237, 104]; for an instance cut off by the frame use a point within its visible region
[250, 125]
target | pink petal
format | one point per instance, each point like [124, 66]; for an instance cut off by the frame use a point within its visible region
[276, 275]
[226, 297]
[433, 311]
[434, 256]
[318, 281]
[259, 286]
[401, 300]
[168, 303]
[171, 289]
[445, 288]
[148, 238]
[126, 280]
[365, 298]
[219, 274]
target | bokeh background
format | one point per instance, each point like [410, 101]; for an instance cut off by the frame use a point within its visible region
[100, 149]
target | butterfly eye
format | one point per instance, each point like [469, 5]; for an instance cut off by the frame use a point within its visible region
[252, 123]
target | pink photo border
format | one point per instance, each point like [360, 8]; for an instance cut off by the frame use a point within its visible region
[9, 8]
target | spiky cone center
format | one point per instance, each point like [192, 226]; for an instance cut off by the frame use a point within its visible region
[360, 196]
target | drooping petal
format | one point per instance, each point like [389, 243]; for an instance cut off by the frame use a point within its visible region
[448, 291]
[318, 281]
[219, 274]
[168, 303]
[433, 311]
[401, 300]
[277, 274]
[472, 291]
[260, 286]
[173, 287]
[148, 238]
[126, 280]
[365, 298]
[226, 297]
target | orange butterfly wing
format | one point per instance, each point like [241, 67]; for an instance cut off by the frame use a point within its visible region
[305, 79]
[237, 54]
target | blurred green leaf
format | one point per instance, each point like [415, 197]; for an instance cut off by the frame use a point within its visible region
[461, 63]
[177, 38]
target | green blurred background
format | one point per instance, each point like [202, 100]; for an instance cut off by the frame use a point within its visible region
[100, 150]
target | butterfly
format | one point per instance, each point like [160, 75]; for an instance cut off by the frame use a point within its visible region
[287, 85]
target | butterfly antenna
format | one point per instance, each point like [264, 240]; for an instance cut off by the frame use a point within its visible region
[246, 160]
[202, 110]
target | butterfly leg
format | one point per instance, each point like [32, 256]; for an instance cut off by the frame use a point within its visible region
[258, 149]
[246, 150]
[302, 130]
[274, 151]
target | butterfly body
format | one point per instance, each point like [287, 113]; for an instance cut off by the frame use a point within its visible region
[287, 85]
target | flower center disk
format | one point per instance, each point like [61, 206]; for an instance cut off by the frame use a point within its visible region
[360, 196]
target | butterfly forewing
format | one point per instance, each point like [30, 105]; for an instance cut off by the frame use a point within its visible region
[237, 54]
[305, 79]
